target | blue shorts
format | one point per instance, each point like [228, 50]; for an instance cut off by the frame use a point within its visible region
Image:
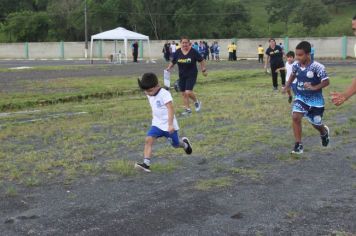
[313, 114]
[157, 133]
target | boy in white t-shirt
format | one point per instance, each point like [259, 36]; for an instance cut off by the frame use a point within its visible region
[289, 68]
[164, 122]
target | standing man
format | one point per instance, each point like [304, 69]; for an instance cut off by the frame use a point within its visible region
[135, 51]
[275, 58]
[230, 49]
[260, 51]
[234, 50]
[166, 50]
[340, 98]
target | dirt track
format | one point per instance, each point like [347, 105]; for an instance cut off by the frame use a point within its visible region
[311, 196]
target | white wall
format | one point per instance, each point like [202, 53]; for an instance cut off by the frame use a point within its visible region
[246, 48]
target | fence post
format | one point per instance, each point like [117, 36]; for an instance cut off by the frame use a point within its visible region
[101, 49]
[344, 47]
[61, 49]
[27, 54]
[286, 44]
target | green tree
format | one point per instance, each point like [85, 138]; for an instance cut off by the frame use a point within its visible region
[281, 11]
[312, 14]
[27, 26]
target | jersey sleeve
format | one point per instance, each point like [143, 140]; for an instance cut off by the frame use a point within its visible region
[321, 72]
[175, 57]
[166, 96]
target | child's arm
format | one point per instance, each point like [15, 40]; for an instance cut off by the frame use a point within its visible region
[279, 69]
[170, 108]
[340, 98]
[267, 60]
[289, 82]
[323, 84]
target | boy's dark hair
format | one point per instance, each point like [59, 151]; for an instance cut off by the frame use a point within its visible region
[305, 46]
[290, 54]
[354, 18]
[260, 45]
[271, 39]
[149, 80]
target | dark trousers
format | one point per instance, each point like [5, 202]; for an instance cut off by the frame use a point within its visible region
[275, 75]
[231, 56]
[135, 54]
[234, 57]
[260, 58]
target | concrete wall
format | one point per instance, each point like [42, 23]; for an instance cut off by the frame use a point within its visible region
[331, 47]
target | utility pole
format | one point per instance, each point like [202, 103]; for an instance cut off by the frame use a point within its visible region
[86, 28]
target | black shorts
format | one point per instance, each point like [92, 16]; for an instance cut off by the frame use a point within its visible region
[187, 83]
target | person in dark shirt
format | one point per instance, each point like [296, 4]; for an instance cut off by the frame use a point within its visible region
[275, 57]
[186, 57]
[165, 51]
[135, 51]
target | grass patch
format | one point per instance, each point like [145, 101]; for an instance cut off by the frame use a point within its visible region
[121, 167]
[249, 173]
[208, 184]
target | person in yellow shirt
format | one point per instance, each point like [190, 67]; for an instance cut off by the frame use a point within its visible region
[260, 51]
[230, 49]
[234, 47]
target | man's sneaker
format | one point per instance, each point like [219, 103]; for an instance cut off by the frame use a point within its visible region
[142, 166]
[188, 149]
[298, 148]
[325, 138]
[186, 112]
[275, 89]
[290, 99]
[197, 105]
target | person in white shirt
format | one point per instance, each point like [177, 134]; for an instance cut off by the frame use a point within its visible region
[164, 122]
[289, 68]
[173, 49]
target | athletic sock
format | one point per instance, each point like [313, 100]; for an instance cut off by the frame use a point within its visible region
[147, 161]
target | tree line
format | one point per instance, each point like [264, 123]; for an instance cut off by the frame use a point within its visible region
[53, 20]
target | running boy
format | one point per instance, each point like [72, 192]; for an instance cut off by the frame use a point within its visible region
[309, 101]
[164, 123]
[288, 68]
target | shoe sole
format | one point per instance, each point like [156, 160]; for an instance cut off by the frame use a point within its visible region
[296, 153]
[141, 168]
[198, 109]
[328, 130]
[186, 140]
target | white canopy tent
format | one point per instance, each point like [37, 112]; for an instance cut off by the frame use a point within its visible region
[119, 34]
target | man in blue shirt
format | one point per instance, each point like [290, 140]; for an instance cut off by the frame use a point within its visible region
[309, 101]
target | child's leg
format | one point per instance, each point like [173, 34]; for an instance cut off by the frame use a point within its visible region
[321, 128]
[179, 143]
[283, 76]
[297, 126]
[148, 147]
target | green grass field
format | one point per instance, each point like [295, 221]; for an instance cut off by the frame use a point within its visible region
[104, 137]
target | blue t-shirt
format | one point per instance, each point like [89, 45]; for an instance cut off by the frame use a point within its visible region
[187, 64]
[314, 73]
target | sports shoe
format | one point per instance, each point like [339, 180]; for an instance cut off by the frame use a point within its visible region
[275, 89]
[298, 148]
[325, 138]
[290, 99]
[197, 105]
[188, 149]
[186, 112]
[142, 166]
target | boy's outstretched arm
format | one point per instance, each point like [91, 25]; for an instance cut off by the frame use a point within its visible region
[170, 108]
[289, 82]
[340, 98]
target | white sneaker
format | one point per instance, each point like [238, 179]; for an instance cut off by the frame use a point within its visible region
[197, 105]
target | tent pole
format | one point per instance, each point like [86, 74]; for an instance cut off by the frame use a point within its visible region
[149, 50]
[125, 41]
[91, 51]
